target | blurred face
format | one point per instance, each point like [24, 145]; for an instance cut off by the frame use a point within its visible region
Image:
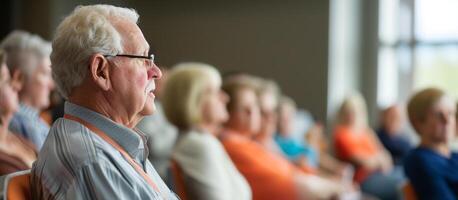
[245, 115]
[268, 104]
[214, 107]
[132, 79]
[8, 96]
[286, 120]
[354, 116]
[38, 85]
[393, 120]
[349, 117]
[438, 125]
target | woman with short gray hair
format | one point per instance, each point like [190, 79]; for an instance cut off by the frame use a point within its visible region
[16, 153]
[30, 68]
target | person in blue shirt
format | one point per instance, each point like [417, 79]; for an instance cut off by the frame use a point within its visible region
[295, 151]
[30, 67]
[432, 166]
[310, 154]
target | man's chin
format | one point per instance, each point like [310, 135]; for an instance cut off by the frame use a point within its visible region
[149, 109]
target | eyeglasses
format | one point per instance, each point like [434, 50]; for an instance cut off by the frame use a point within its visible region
[149, 59]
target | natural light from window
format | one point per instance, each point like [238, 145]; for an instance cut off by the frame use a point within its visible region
[436, 20]
[418, 48]
[437, 50]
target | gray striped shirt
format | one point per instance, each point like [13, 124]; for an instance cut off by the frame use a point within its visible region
[76, 163]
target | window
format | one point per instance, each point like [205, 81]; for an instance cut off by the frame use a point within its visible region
[418, 48]
[436, 33]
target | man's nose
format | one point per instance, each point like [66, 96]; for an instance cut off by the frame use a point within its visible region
[154, 72]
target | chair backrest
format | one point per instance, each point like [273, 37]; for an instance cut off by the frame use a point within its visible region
[18, 186]
[178, 179]
[408, 192]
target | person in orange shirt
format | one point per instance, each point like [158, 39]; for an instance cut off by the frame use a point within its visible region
[269, 175]
[357, 144]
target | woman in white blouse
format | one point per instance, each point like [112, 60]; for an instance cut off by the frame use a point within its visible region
[194, 102]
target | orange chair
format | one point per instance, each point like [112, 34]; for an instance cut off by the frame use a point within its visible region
[408, 192]
[17, 186]
[178, 179]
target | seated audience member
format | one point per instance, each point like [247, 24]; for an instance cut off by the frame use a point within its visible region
[432, 166]
[311, 153]
[391, 135]
[101, 66]
[194, 102]
[269, 174]
[357, 144]
[30, 68]
[303, 121]
[16, 153]
[298, 152]
[161, 135]
[268, 93]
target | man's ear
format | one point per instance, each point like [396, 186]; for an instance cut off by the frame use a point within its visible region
[99, 71]
[17, 79]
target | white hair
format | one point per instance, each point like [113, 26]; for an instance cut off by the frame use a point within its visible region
[25, 51]
[86, 31]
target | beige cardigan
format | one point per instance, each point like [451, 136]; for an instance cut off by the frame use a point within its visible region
[209, 173]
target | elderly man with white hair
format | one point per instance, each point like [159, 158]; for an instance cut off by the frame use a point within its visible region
[102, 67]
[30, 67]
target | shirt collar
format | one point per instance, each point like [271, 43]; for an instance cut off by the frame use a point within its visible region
[131, 141]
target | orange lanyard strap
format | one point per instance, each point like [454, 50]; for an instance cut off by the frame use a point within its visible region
[105, 137]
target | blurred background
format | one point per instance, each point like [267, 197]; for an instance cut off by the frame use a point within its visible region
[318, 51]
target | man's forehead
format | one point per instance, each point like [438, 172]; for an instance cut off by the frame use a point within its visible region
[132, 36]
[136, 41]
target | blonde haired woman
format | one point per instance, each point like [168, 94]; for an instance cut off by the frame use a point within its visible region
[194, 102]
[356, 143]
